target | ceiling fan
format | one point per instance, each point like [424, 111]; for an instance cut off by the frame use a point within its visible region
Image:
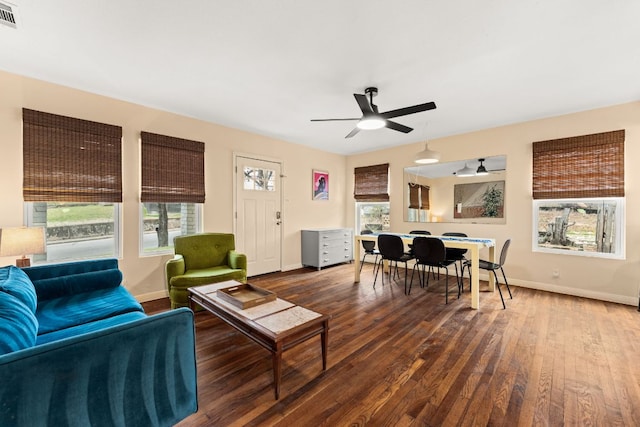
[372, 119]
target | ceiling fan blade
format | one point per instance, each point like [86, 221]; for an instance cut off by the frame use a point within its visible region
[408, 110]
[330, 120]
[353, 132]
[398, 127]
[363, 103]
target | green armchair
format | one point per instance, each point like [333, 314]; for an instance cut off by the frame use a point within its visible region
[201, 259]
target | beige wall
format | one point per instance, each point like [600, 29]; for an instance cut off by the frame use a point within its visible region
[615, 280]
[144, 276]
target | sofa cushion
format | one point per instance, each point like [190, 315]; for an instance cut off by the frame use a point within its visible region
[18, 324]
[15, 282]
[72, 284]
[207, 275]
[89, 327]
[65, 312]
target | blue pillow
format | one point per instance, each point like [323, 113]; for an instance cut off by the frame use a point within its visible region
[15, 282]
[18, 325]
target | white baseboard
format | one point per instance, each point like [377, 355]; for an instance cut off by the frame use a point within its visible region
[152, 296]
[291, 267]
[602, 296]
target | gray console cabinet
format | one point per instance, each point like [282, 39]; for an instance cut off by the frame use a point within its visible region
[326, 246]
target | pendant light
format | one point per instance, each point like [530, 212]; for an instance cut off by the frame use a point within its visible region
[466, 171]
[427, 156]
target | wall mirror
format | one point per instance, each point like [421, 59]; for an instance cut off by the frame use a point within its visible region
[464, 191]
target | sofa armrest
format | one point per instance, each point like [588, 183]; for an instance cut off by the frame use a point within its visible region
[175, 267]
[137, 373]
[237, 260]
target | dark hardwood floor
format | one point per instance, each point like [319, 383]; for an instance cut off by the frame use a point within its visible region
[548, 359]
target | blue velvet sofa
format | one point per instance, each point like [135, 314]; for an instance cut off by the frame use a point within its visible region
[76, 348]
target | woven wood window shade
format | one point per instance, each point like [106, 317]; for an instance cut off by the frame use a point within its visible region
[372, 183]
[585, 166]
[424, 198]
[414, 196]
[70, 160]
[172, 169]
[418, 196]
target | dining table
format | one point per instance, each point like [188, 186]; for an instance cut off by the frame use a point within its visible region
[472, 244]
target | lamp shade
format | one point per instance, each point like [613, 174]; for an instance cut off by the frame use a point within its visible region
[427, 156]
[21, 241]
[466, 171]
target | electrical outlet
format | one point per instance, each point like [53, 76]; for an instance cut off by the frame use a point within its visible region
[556, 272]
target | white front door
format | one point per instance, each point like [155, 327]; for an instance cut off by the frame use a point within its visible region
[258, 213]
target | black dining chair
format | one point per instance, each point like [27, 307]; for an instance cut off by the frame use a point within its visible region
[492, 266]
[420, 232]
[369, 247]
[431, 252]
[391, 249]
[423, 232]
[457, 254]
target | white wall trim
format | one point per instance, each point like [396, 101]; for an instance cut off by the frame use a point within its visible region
[152, 296]
[602, 296]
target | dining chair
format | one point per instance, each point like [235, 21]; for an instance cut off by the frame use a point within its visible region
[456, 253]
[421, 232]
[431, 252]
[369, 247]
[491, 266]
[391, 249]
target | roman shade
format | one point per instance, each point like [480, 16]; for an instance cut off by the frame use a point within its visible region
[70, 160]
[585, 166]
[418, 196]
[172, 169]
[414, 196]
[371, 183]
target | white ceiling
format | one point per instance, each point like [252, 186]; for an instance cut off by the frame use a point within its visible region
[269, 67]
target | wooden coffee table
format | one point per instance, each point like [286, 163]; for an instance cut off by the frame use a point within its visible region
[276, 325]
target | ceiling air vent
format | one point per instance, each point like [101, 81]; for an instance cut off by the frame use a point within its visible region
[7, 15]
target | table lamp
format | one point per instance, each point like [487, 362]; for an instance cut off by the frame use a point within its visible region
[22, 241]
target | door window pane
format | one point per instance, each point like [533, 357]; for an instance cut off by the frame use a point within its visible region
[259, 179]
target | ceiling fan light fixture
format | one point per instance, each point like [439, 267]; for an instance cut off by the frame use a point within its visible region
[371, 123]
[466, 171]
[427, 156]
[481, 169]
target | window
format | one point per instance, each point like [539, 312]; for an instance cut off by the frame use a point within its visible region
[259, 179]
[371, 191]
[76, 230]
[172, 191]
[178, 219]
[578, 191]
[418, 196]
[372, 216]
[72, 184]
[580, 226]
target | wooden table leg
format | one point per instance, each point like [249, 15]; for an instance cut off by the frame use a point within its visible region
[277, 368]
[356, 264]
[324, 340]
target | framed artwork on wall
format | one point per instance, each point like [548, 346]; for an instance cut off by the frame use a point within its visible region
[320, 185]
[479, 200]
